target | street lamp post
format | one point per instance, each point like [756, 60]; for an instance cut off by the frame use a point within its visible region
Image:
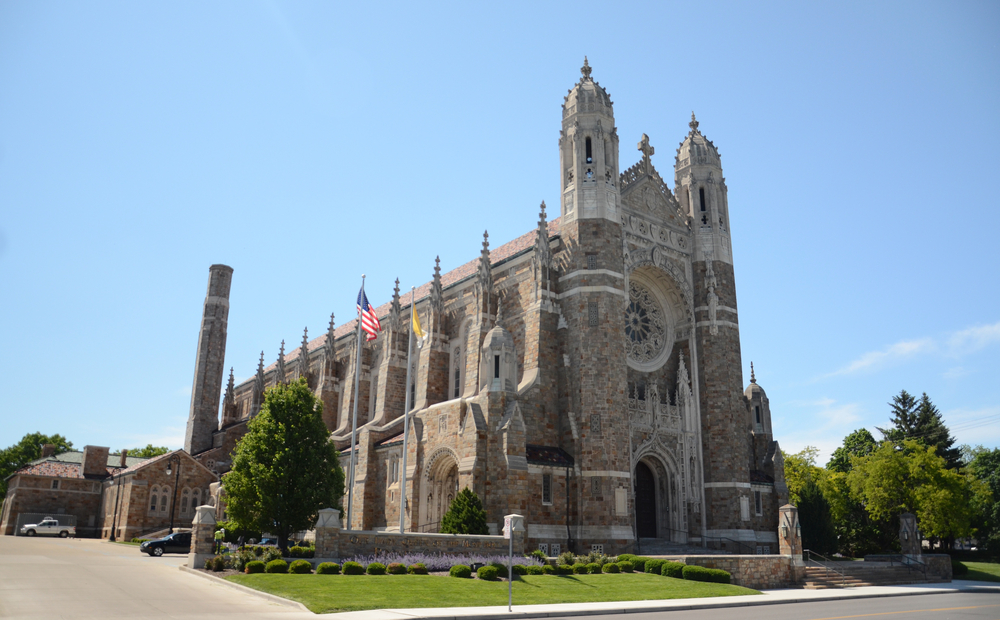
[175, 463]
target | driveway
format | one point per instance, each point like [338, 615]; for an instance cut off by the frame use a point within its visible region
[57, 578]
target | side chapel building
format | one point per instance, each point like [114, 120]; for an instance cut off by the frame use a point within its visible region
[587, 374]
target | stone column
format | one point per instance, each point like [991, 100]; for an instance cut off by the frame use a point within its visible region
[209, 362]
[909, 536]
[328, 534]
[202, 536]
[790, 540]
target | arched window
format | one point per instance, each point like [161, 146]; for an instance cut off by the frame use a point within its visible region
[185, 501]
[195, 499]
[165, 493]
[153, 495]
[590, 154]
[701, 194]
[457, 357]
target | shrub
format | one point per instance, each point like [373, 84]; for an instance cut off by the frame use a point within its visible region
[654, 566]
[564, 569]
[593, 568]
[625, 566]
[254, 566]
[465, 515]
[536, 570]
[580, 568]
[209, 563]
[672, 569]
[218, 563]
[276, 566]
[461, 571]
[566, 557]
[295, 552]
[396, 569]
[519, 569]
[639, 564]
[353, 568]
[958, 569]
[548, 569]
[610, 568]
[700, 573]
[501, 568]
[328, 568]
[537, 554]
[627, 556]
[300, 567]
[376, 568]
[597, 558]
[417, 569]
[488, 573]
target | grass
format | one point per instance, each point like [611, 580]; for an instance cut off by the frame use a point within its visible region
[333, 593]
[982, 571]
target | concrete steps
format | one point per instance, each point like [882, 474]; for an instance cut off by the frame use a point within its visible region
[856, 574]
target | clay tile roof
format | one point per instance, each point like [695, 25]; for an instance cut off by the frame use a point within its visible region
[144, 462]
[390, 441]
[51, 468]
[548, 455]
[497, 255]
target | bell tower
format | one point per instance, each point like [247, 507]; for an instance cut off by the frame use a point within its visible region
[588, 152]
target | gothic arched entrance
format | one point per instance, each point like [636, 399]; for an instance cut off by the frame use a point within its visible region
[440, 488]
[645, 501]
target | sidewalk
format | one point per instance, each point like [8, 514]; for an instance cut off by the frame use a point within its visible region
[769, 597]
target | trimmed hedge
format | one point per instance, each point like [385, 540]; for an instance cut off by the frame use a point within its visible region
[461, 571]
[302, 552]
[417, 569]
[626, 556]
[654, 566]
[610, 568]
[519, 569]
[594, 568]
[396, 569]
[353, 568]
[376, 568]
[254, 566]
[488, 573]
[700, 573]
[958, 569]
[639, 564]
[548, 569]
[625, 566]
[580, 568]
[673, 569]
[276, 566]
[535, 570]
[328, 568]
[300, 567]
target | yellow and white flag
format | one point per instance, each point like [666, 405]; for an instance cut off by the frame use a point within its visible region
[419, 333]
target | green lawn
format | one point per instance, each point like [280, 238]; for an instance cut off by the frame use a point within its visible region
[332, 593]
[982, 571]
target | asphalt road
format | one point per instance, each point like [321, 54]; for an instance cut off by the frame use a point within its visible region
[963, 606]
[75, 579]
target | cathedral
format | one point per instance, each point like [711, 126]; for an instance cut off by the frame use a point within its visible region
[586, 374]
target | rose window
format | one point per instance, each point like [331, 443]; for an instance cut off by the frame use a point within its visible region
[645, 326]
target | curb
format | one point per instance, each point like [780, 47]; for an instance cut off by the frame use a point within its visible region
[271, 597]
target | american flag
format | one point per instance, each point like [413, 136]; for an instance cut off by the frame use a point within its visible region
[369, 322]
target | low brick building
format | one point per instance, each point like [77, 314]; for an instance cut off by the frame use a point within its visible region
[104, 491]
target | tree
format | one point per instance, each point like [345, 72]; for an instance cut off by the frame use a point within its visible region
[921, 420]
[465, 515]
[912, 478]
[149, 451]
[984, 467]
[23, 452]
[858, 443]
[800, 468]
[285, 469]
[817, 522]
[904, 418]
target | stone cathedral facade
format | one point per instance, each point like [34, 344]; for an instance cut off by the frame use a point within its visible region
[587, 374]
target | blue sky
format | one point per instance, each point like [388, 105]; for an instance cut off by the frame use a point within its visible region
[306, 143]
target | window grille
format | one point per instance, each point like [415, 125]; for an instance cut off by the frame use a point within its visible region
[546, 488]
[592, 314]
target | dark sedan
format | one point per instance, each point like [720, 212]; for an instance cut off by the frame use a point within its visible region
[178, 542]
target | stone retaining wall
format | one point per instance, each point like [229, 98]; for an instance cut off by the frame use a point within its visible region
[760, 572]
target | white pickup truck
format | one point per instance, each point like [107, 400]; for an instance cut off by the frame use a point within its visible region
[48, 527]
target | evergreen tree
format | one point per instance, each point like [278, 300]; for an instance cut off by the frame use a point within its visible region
[818, 533]
[284, 469]
[933, 432]
[858, 443]
[465, 515]
[904, 418]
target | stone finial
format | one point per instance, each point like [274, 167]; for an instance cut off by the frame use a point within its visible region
[395, 309]
[646, 148]
[437, 291]
[230, 398]
[484, 284]
[304, 353]
[585, 69]
[693, 124]
[330, 346]
[753, 379]
[543, 254]
[280, 370]
[258, 387]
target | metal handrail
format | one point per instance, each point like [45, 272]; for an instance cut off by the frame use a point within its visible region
[806, 553]
[909, 563]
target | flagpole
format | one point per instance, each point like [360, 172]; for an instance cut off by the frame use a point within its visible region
[406, 415]
[354, 421]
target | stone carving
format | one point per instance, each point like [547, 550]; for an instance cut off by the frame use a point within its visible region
[713, 299]
[645, 325]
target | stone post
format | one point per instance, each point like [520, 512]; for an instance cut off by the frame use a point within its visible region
[790, 539]
[328, 534]
[909, 536]
[202, 536]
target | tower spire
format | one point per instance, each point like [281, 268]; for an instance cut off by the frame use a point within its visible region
[258, 387]
[330, 346]
[694, 123]
[304, 354]
[437, 292]
[753, 379]
[585, 69]
[395, 310]
[280, 371]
